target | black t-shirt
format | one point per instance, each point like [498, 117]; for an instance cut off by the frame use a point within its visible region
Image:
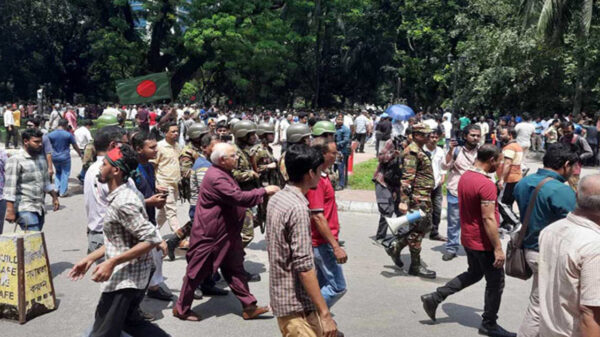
[145, 183]
[385, 129]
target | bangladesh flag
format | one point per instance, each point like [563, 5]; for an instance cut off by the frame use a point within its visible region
[144, 89]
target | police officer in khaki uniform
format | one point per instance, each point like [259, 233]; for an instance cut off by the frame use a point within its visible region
[416, 185]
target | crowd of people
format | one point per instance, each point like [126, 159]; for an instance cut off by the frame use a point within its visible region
[224, 166]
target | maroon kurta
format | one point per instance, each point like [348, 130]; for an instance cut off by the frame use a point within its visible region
[215, 240]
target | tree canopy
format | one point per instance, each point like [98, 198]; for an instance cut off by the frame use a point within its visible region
[477, 55]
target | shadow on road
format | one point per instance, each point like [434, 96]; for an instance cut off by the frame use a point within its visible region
[58, 267]
[461, 314]
[442, 249]
[395, 272]
[260, 245]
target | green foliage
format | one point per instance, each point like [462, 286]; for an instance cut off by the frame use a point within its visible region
[478, 55]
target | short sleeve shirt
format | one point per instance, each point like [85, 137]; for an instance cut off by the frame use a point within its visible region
[322, 199]
[513, 151]
[61, 141]
[569, 274]
[474, 188]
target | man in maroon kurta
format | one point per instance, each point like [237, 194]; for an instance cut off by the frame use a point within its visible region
[215, 241]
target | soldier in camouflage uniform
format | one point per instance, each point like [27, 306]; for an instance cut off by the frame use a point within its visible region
[295, 134]
[248, 179]
[265, 164]
[324, 132]
[416, 185]
[187, 158]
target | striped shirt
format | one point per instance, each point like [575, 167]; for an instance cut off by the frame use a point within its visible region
[26, 180]
[125, 225]
[290, 251]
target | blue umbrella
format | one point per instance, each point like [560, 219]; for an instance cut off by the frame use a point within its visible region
[400, 112]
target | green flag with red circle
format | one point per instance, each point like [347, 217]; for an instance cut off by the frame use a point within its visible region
[144, 89]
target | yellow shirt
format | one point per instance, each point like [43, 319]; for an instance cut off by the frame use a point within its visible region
[167, 164]
[17, 117]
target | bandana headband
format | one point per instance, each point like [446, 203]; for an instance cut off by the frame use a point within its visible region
[115, 159]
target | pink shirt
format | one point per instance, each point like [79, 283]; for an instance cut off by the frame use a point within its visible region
[464, 161]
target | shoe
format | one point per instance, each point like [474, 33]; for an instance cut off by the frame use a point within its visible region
[214, 291]
[495, 331]
[429, 305]
[140, 316]
[159, 294]
[448, 256]
[184, 244]
[342, 243]
[172, 243]
[394, 250]
[339, 188]
[438, 237]
[254, 311]
[190, 316]
[421, 272]
[417, 268]
[253, 277]
[198, 294]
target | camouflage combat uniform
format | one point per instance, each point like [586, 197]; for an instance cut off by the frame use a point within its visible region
[416, 185]
[245, 177]
[187, 158]
[262, 155]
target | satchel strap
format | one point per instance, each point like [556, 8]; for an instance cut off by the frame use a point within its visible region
[523, 230]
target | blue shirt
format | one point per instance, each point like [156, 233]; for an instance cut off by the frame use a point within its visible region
[554, 201]
[539, 127]
[342, 139]
[145, 183]
[61, 141]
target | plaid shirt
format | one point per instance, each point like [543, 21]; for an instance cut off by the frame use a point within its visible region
[290, 251]
[26, 180]
[125, 225]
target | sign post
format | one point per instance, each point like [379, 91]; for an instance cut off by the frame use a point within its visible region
[26, 288]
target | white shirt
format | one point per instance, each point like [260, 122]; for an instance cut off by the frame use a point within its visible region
[448, 116]
[132, 113]
[54, 118]
[485, 129]
[83, 137]
[8, 118]
[431, 123]
[361, 124]
[438, 156]
[524, 131]
[95, 196]
[569, 274]
[348, 121]
[283, 126]
[447, 129]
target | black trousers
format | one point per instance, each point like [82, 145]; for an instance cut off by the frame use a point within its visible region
[361, 138]
[507, 197]
[119, 311]
[436, 214]
[481, 264]
[14, 134]
[388, 206]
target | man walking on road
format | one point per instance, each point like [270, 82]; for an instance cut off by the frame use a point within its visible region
[129, 238]
[459, 159]
[510, 168]
[342, 140]
[325, 228]
[437, 158]
[553, 202]
[479, 219]
[26, 182]
[360, 127]
[569, 270]
[296, 297]
[61, 141]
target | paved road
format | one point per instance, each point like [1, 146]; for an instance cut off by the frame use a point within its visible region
[381, 300]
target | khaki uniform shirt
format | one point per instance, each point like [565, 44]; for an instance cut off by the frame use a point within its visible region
[167, 164]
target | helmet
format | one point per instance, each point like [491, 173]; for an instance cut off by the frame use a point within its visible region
[323, 127]
[243, 128]
[296, 132]
[197, 130]
[264, 128]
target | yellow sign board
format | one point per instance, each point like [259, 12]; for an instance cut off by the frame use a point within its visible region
[26, 288]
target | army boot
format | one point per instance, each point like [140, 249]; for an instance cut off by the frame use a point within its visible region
[416, 268]
[394, 249]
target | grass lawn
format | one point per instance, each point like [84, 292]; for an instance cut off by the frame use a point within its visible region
[363, 173]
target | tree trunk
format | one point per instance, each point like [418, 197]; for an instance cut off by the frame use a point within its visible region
[581, 67]
[317, 93]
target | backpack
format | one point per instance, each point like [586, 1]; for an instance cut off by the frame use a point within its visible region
[456, 152]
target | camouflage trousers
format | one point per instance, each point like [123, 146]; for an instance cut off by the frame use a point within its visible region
[420, 227]
[248, 228]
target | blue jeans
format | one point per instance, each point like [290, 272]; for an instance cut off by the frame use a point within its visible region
[329, 273]
[453, 224]
[30, 221]
[342, 170]
[61, 180]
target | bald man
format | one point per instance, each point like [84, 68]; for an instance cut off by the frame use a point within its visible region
[215, 240]
[569, 268]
